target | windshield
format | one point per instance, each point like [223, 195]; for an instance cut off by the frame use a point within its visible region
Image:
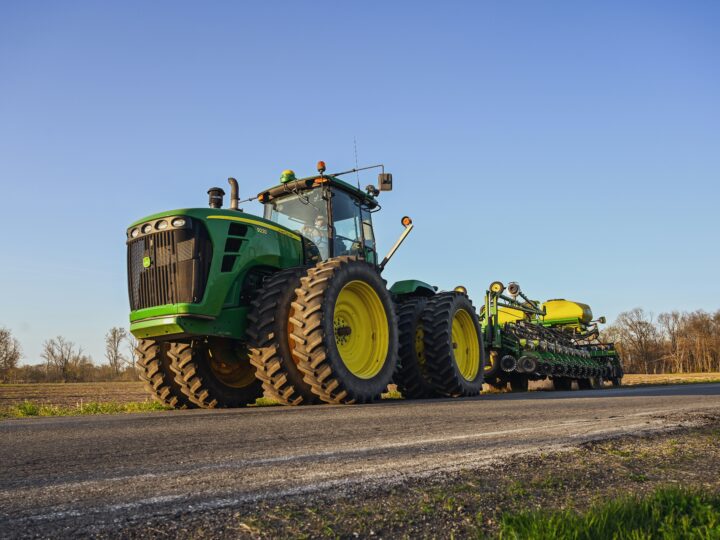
[305, 213]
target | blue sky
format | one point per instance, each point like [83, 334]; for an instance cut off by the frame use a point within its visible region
[571, 146]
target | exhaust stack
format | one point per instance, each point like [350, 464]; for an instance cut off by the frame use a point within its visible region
[234, 193]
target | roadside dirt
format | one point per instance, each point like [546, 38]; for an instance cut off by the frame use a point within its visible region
[468, 504]
[398, 468]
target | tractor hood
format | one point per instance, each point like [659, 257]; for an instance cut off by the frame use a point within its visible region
[194, 270]
[153, 222]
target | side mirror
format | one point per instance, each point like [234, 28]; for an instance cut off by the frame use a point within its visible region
[602, 320]
[385, 181]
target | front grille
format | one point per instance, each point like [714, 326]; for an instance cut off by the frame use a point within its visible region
[168, 267]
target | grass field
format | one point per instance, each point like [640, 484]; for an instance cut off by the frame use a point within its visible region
[69, 399]
[669, 512]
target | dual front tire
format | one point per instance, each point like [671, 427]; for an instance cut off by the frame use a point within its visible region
[215, 373]
[345, 331]
[153, 366]
[207, 374]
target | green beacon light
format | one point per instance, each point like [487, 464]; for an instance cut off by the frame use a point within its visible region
[287, 176]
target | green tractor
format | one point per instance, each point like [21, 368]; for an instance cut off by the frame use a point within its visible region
[229, 306]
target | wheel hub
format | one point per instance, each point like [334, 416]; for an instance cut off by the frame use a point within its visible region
[361, 330]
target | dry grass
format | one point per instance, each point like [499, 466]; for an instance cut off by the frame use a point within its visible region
[633, 379]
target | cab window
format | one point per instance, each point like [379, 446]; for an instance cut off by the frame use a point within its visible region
[368, 235]
[347, 225]
[304, 213]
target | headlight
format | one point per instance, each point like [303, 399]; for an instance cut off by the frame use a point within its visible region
[178, 222]
[146, 228]
[161, 225]
[134, 233]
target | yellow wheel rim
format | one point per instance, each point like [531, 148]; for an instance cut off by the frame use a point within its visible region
[466, 345]
[230, 369]
[361, 329]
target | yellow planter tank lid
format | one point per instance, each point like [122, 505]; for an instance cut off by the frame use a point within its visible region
[566, 311]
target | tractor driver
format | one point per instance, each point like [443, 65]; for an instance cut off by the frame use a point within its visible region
[318, 234]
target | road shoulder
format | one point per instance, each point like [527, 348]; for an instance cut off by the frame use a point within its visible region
[470, 503]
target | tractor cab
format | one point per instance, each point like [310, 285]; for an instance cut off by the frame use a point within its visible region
[333, 217]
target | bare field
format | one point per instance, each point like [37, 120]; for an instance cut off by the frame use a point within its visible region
[633, 379]
[638, 379]
[71, 394]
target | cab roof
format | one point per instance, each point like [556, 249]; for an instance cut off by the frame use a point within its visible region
[313, 182]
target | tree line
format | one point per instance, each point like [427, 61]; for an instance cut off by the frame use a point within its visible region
[674, 342]
[64, 361]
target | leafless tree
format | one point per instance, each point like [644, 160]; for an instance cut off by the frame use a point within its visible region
[671, 325]
[10, 354]
[113, 340]
[678, 342]
[640, 341]
[62, 356]
[132, 357]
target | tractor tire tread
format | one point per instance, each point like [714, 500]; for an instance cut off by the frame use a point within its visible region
[183, 365]
[437, 325]
[310, 338]
[266, 355]
[157, 379]
[409, 378]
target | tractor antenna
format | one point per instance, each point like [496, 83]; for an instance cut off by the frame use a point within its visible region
[357, 173]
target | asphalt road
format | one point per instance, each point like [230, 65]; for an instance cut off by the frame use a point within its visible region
[92, 475]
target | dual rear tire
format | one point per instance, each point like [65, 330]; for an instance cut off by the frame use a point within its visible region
[441, 349]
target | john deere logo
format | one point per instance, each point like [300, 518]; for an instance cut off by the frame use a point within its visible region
[147, 262]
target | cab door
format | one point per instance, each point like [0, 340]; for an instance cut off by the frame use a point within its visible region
[351, 228]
